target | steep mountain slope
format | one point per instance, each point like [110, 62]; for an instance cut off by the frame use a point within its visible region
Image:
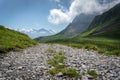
[107, 23]
[13, 40]
[78, 25]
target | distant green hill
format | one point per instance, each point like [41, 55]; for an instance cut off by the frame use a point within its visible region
[13, 40]
[50, 38]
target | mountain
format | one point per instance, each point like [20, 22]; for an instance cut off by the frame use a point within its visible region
[82, 22]
[107, 23]
[102, 35]
[78, 25]
[33, 33]
[13, 40]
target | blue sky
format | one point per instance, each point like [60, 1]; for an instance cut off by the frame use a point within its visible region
[48, 14]
[29, 13]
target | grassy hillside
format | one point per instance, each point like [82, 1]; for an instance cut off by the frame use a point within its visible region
[108, 21]
[103, 45]
[50, 38]
[12, 40]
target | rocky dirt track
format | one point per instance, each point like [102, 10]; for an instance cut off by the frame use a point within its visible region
[30, 64]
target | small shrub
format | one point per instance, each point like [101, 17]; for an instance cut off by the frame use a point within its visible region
[50, 51]
[70, 72]
[76, 45]
[114, 52]
[101, 51]
[58, 63]
[92, 73]
[89, 47]
[57, 58]
[54, 71]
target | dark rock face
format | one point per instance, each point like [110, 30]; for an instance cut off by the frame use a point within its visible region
[78, 25]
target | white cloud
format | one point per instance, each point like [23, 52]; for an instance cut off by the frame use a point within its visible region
[42, 30]
[25, 30]
[58, 16]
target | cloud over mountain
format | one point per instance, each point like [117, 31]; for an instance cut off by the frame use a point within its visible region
[59, 16]
[33, 33]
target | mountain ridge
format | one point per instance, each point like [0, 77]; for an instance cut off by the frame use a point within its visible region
[78, 25]
[108, 21]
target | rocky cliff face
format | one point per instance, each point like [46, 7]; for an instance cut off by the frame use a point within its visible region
[78, 25]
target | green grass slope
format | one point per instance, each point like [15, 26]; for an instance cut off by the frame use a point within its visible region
[13, 40]
[106, 22]
[50, 38]
[109, 46]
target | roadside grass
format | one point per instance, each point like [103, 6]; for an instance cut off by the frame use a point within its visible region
[101, 44]
[70, 72]
[57, 62]
[50, 51]
[13, 40]
[58, 58]
[92, 73]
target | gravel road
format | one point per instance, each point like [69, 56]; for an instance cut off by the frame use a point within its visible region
[30, 64]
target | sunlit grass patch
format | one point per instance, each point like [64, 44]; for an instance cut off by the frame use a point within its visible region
[50, 51]
[92, 73]
[57, 62]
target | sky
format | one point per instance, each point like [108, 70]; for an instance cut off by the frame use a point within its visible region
[48, 14]
[29, 13]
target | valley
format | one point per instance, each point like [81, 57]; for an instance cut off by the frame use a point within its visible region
[100, 34]
[88, 48]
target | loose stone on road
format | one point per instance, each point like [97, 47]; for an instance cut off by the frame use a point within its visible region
[31, 64]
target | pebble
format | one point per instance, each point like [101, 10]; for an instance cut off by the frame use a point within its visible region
[5, 64]
[60, 74]
[84, 78]
[20, 67]
[0, 74]
[9, 71]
